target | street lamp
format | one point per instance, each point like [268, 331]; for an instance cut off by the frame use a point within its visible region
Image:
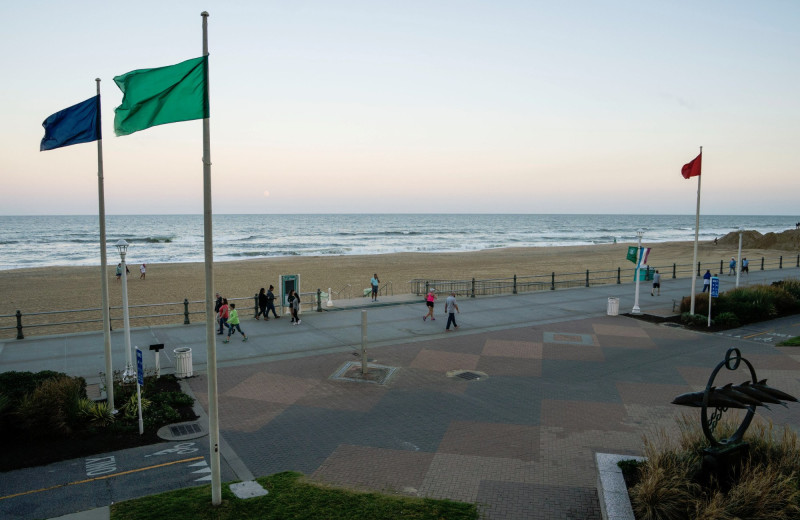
[739, 257]
[129, 375]
[636, 309]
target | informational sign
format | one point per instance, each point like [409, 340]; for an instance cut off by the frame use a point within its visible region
[715, 287]
[289, 283]
[139, 367]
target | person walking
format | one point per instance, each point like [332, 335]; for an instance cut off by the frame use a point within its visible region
[429, 299]
[119, 271]
[223, 315]
[707, 281]
[262, 304]
[143, 270]
[233, 323]
[217, 305]
[656, 283]
[745, 266]
[732, 266]
[374, 282]
[294, 306]
[270, 303]
[451, 308]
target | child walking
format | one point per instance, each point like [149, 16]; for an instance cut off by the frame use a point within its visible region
[233, 323]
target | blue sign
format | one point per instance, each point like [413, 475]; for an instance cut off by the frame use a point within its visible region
[714, 287]
[139, 367]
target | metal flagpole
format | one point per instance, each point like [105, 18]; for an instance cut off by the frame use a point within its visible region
[103, 265]
[211, 339]
[696, 232]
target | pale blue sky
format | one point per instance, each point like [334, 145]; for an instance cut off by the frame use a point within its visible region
[434, 106]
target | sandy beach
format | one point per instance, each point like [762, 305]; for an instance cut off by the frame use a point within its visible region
[70, 288]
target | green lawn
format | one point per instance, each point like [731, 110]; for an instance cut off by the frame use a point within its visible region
[290, 497]
[791, 342]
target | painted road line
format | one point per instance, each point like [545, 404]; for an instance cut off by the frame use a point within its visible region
[754, 335]
[101, 478]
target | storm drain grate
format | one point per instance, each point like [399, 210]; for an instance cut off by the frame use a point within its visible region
[184, 429]
[469, 376]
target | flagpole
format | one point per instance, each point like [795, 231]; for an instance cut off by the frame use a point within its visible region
[211, 340]
[103, 265]
[696, 232]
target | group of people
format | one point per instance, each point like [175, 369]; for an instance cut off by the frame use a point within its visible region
[450, 308]
[732, 266]
[142, 270]
[228, 316]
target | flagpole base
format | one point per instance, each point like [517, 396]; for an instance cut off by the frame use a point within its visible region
[636, 310]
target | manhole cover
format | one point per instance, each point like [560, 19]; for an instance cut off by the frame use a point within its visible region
[184, 429]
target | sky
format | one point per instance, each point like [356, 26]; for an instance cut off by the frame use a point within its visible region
[435, 106]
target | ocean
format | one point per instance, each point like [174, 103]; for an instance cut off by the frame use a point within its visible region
[41, 241]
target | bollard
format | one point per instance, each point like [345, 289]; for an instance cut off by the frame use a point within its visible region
[587, 278]
[674, 270]
[515, 284]
[619, 270]
[553, 282]
[762, 263]
[363, 342]
[473, 288]
[186, 311]
[319, 300]
[19, 325]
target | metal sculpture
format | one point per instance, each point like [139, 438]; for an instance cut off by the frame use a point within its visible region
[723, 456]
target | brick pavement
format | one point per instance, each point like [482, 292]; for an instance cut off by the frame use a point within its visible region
[519, 442]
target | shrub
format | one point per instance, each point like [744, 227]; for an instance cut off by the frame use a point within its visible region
[726, 320]
[53, 408]
[757, 303]
[17, 385]
[700, 304]
[96, 414]
[695, 320]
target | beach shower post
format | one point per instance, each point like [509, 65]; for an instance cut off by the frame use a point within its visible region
[129, 376]
[636, 309]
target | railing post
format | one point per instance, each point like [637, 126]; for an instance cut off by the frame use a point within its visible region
[780, 262]
[798, 261]
[698, 268]
[255, 306]
[762, 263]
[553, 282]
[515, 284]
[427, 287]
[473, 288]
[674, 270]
[319, 300]
[587, 278]
[19, 325]
[186, 311]
[721, 267]
[619, 272]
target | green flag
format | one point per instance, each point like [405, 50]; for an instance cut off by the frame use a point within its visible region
[153, 97]
[632, 253]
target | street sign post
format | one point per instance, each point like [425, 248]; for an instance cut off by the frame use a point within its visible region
[139, 383]
[714, 294]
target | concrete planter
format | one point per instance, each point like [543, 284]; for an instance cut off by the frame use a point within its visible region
[611, 490]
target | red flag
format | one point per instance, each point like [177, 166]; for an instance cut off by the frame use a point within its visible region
[692, 169]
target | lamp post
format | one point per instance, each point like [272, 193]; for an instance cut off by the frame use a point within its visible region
[739, 257]
[129, 375]
[636, 309]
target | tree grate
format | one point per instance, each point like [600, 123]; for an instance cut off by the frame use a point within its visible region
[185, 429]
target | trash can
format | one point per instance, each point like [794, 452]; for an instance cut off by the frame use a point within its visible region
[613, 306]
[183, 362]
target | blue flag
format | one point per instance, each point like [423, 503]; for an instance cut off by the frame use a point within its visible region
[77, 124]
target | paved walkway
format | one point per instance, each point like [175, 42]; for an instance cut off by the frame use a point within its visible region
[560, 380]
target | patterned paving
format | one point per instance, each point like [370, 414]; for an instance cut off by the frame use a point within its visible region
[520, 442]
